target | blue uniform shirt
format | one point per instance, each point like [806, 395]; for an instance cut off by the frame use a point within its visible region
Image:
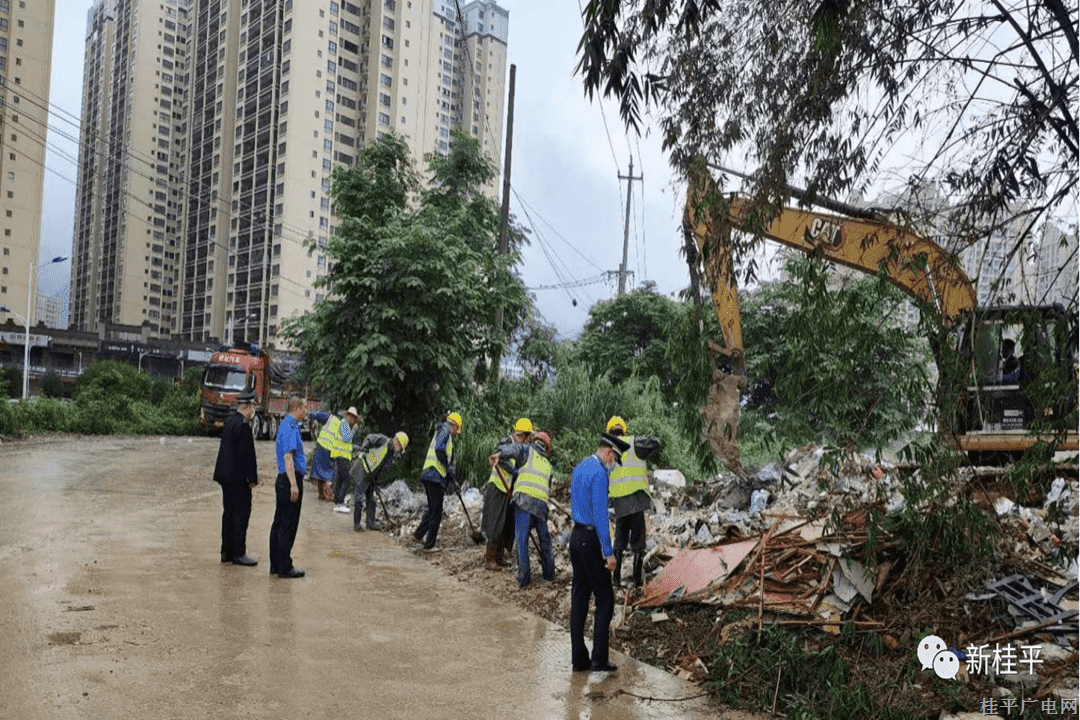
[589, 499]
[289, 440]
[345, 432]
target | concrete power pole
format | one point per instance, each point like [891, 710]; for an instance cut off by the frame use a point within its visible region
[504, 232]
[626, 227]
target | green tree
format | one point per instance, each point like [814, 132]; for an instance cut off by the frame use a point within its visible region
[977, 99]
[536, 349]
[834, 364]
[628, 335]
[412, 292]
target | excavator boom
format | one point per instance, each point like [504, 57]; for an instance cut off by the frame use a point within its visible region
[913, 263]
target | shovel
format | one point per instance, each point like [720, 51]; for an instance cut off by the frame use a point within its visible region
[389, 523]
[476, 536]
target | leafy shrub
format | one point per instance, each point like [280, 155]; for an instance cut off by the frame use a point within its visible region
[51, 386]
[114, 378]
[11, 378]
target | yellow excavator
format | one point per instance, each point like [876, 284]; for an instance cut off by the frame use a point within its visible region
[996, 412]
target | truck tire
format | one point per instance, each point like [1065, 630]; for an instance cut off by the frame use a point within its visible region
[272, 427]
[258, 426]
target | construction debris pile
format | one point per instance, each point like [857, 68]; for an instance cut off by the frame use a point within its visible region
[791, 544]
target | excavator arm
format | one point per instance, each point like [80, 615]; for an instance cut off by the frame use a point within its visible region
[913, 263]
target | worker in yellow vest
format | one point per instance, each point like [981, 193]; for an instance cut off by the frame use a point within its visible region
[496, 522]
[532, 487]
[437, 473]
[628, 488]
[374, 457]
[333, 453]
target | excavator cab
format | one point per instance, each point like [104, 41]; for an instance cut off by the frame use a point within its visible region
[1019, 364]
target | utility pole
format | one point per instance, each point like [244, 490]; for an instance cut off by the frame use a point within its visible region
[626, 227]
[504, 232]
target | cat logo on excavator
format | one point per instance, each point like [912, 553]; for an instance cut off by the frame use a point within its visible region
[823, 232]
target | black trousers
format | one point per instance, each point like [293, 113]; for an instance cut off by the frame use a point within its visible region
[236, 503]
[286, 521]
[591, 579]
[341, 479]
[363, 497]
[429, 524]
[630, 532]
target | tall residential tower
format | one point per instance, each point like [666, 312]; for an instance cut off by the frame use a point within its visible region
[26, 30]
[269, 96]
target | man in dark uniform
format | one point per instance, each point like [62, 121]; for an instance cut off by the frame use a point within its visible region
[237, 473]
[590, 543]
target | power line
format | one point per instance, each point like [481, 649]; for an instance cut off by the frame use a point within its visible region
[127, 211]
[188, 189]
[557, 233]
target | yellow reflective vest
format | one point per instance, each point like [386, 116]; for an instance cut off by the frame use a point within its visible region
[374, 457]
[432, 460]
[330, 438]
[534, 477]
[631, 476]
[500, 478]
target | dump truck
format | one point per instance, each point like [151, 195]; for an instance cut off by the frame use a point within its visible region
[994, 418]
[246, 367]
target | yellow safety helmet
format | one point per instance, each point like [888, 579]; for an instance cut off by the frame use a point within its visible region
[403, 439]
[456, 419]
[616, 422]
[523, 425]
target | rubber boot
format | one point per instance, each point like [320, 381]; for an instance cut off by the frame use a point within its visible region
[490, 563]
[617, 573]
[372, 523]
[639, 567]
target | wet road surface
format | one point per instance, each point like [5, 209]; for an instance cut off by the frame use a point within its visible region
[113, 605]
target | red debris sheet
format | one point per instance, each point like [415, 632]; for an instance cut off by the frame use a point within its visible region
[693, 574]
[801, 570]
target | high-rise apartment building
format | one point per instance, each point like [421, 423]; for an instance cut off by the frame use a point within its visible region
[1057, 271]
[277, 93]
[130, 198]
[50, 310]
[26, 30]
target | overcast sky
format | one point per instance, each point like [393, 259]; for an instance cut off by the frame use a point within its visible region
[565, 169]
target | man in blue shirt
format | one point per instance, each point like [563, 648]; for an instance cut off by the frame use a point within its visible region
[291, 466]
[590, 543]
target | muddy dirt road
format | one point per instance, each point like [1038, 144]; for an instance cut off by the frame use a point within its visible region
[113, 605]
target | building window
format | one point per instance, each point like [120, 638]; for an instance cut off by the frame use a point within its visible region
[384, 119]
[387, 61]
[384, 99]
[388, 42]
[332, 47]
[385, 80]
